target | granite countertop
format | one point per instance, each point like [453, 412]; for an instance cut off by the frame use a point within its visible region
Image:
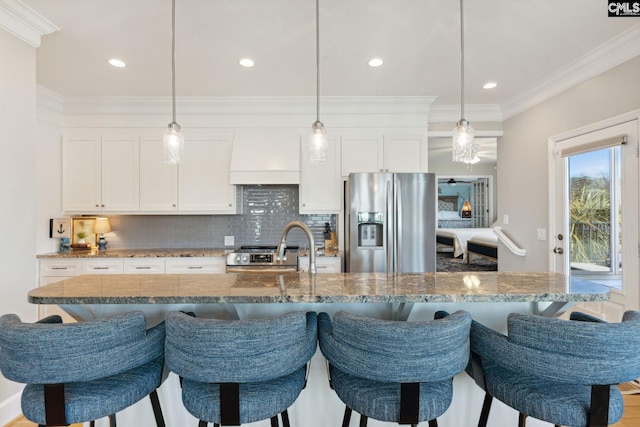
[160, 253]
[318, 288]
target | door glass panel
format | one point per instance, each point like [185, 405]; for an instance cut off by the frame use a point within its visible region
[594, 215]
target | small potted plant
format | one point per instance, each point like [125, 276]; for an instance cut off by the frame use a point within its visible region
[81, 235]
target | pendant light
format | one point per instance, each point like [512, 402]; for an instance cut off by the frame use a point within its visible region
[173, 141]
[464, 148]
[318, 144]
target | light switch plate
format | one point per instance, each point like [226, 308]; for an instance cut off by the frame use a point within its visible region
[541, 234]
[229, 240]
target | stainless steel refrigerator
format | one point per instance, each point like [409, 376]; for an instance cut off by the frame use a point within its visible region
[390, 222]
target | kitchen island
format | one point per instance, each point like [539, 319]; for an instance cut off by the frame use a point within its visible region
[488, 296]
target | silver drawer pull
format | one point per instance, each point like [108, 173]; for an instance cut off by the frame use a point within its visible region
[100, 268]
[59, 268]
[194, 267]
[143, 268]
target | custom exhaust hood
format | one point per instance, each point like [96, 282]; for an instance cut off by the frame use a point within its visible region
[265, 156]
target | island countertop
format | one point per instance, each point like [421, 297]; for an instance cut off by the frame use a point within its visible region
[242, 288]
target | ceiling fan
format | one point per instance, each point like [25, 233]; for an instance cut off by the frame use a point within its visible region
[453, 181]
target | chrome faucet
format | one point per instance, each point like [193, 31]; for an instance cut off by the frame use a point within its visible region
[282, 245]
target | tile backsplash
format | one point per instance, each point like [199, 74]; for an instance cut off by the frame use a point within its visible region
[266, 210]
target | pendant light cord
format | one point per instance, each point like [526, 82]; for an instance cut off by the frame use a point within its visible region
[318, 60]
[461, 61]
[173, 57]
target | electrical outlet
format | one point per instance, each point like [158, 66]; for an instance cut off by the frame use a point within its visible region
[229, 241]
[541, 234]
[505, 219]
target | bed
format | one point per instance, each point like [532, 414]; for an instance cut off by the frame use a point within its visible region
[448, 214]
[484, 241]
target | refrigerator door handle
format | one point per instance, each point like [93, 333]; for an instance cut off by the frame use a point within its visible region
[397, 227]
[389, 244]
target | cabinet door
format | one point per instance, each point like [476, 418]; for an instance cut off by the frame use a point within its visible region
[120, 173]
[320, 183]
[360, 154]
[158, 180]
[405, 154]
[204, 174]
[81, 170]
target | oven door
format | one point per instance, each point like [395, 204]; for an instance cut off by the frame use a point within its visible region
[261, 269]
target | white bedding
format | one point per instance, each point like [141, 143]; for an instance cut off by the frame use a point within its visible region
[460, 237]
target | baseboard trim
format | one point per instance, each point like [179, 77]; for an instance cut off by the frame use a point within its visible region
[10, 409]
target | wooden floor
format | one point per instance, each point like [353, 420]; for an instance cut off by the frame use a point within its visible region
[631, 416]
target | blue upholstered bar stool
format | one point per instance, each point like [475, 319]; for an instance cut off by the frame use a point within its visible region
[560, 371]
[79, 372]
[240, 371]
[394, 371]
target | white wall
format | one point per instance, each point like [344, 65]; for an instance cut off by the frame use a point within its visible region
[523, 187]
[17, 190]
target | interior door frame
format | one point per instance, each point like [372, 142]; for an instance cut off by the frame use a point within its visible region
[553, 152]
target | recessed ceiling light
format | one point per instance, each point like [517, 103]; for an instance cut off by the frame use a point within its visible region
[375, 62]
[246, 62]
[117, 62]
[490, 85]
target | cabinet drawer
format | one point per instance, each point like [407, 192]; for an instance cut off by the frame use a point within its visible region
[57, 267]
[144, 266]
[215, 265]
[323, 264]
[102, 266]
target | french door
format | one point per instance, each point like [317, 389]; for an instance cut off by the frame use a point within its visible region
[595, 206]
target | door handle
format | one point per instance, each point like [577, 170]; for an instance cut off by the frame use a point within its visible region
[558, 251]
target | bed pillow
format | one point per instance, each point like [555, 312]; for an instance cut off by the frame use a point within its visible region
[448, 215]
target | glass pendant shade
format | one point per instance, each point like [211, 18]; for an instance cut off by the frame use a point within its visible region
[173, 144]
[318, 144]
[464, 148]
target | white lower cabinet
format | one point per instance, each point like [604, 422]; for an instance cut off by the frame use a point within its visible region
[199, 265]
[55, 270]
[323, 264]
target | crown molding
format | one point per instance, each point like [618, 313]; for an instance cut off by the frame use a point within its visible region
[23, 22]
[611, 54]
[473, 113]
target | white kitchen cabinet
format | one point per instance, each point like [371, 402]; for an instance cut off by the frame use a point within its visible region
[320, 188]
[143, 266]
[383, 153]
[120, 173]
[324, 264]
[158, 180]
[81, 169]
[204, 183]
[102, 266]
[196, 265]
[100, 173]
[54, 270]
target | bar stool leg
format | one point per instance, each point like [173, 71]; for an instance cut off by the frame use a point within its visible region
[285, 418]
[522, 420]
[486, 407]
[347, 417]
[203, 423]
[363, 421]
[433, 423]
[157, 410]
[112, 420]
[274, 422]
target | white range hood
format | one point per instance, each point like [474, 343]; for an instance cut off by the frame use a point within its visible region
[266, 156]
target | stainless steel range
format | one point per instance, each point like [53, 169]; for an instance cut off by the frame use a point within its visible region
[261, 259]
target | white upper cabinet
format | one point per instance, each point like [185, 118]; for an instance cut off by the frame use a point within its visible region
[203, 183]
[383, 153]
[100, 173]
[320, 183]
[158, 180]
[120, 173]
[81, 169]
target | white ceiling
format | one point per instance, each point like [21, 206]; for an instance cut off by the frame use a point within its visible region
[519, 44]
